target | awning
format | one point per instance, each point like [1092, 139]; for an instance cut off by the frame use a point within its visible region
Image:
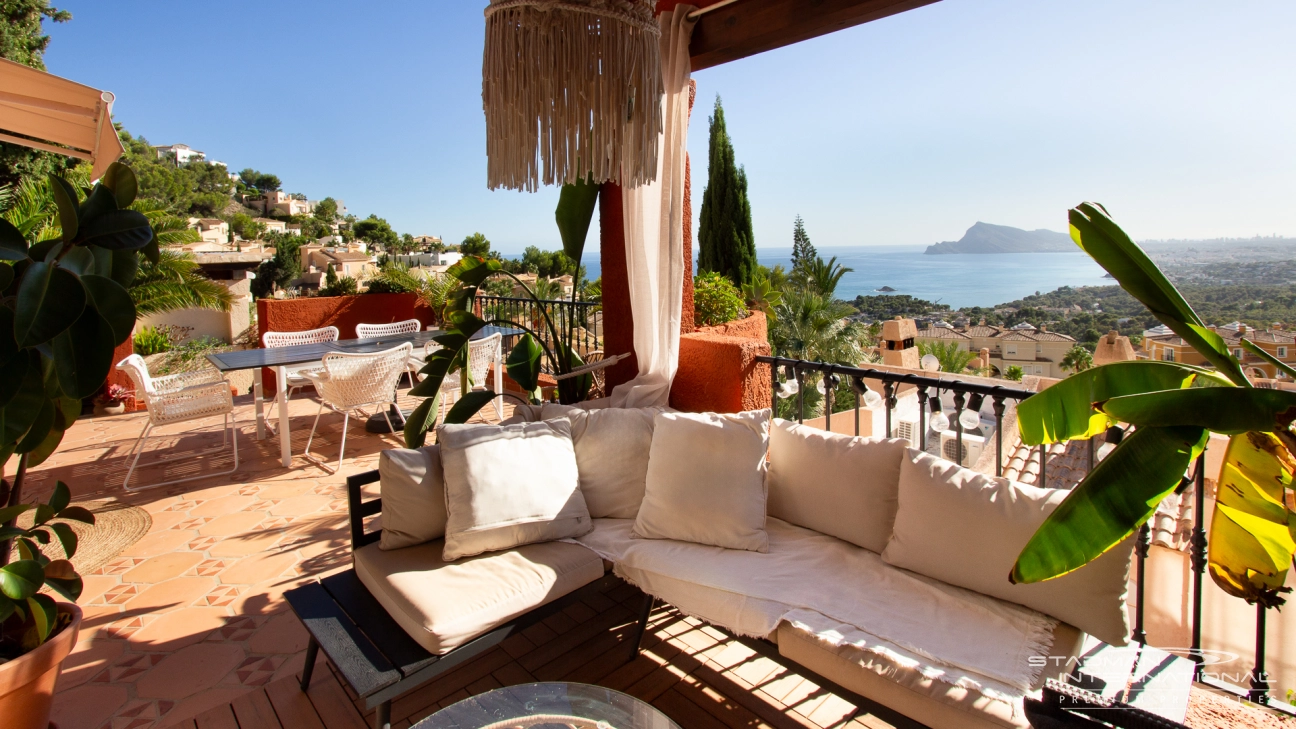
[38, 104]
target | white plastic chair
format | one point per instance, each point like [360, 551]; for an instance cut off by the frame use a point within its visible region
[481, 353]
[177, 399]
[349, 382]
[409, 326]
[293, 373]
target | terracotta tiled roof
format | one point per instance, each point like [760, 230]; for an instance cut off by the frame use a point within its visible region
[1018, 337]
[941, 333]
[982, 330]
[1052, 337]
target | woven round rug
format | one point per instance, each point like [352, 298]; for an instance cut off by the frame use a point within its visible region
[116, 527]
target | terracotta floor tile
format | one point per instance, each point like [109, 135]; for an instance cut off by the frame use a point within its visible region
[281, 634]
[94, 586]
[189, 670]
[162, 567]
[88, 706]
[300, 505]
[236, 523]
[87, 659]
[241, 545]
[168, 519]
[157, 543]
[287, 489]
[179, 628]
[174, 593]
[258, 568]
[222, 506]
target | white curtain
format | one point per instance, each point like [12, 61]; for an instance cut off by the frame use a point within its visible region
[654, 231]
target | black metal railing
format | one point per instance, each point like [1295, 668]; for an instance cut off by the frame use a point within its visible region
[579, 317]
[973, 395]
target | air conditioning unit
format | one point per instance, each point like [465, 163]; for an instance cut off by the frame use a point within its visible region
[972, 447]
[907, 430]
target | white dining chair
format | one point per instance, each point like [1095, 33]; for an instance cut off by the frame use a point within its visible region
[177, 399]
[295, 379]
[481, 354]
[349, 382]
[409, 326]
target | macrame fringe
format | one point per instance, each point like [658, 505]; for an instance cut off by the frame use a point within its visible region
[571, 90]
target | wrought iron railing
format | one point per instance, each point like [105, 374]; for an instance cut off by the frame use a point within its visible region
[581, 318]
[973, 395]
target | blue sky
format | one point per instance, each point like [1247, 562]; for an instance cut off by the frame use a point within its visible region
[1176, 114]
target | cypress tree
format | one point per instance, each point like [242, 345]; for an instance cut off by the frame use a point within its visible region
[803, 253]
[726, 243]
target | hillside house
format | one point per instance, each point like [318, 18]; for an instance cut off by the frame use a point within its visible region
[1036, 351]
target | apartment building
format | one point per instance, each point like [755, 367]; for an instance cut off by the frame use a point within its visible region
[1036, 351]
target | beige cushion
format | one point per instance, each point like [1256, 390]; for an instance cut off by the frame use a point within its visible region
[443, 606]
[508, 485]
[413, 496]
[966, 529]
[834, 484]
[612, 446]
[706, 480]
[903, 687]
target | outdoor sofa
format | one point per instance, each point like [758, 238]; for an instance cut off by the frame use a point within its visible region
[873, 569]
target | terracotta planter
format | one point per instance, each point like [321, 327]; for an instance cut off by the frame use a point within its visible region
[27, 682]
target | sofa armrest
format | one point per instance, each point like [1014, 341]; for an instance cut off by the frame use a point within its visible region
[359, 509]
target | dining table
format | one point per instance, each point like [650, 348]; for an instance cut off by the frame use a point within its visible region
[279, 358]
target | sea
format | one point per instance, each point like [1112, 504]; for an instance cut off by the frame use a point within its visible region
[956, 279]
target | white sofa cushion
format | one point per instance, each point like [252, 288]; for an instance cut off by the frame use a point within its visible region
[413, 495]
[966, 529]
[841, 486]
[508, 485]
[706, 480]
[443, 605]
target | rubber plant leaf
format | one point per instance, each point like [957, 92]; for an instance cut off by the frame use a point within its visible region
[77, 513]
[13, 245]
[39, 428]
[127, 230]
[523, 363]
[49, 300]
[468, 405]
[99, 202]
[23, 408]
[65, 198]
[20, 580]
[9, 513]
[421, 421]
[103, 260]
[1099, 236]
[1251, 544]
[83, 354]
[113, 303]
[1278, 364]
[125, 264]
[62, 576]
[11, 379]
[44, 614]
[6, 276]
[1229, 410]
[1117, 497]
[121, 180]
[59, 500]
[575, 210]
[79, 260]
[1065, 410]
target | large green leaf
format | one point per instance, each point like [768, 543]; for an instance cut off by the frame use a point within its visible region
[13, 245]
[21, 411]
[117, 230]
[468, 405]
[575, 211]
[20, 580]
[439, 363]
[1278, 364]
[62, 576]
[1251, 541]
[1099, 236]
[125, 264]
[113, 304]
[39, 429]
[472, 270]
[1064, 411]
[44, 613]
[83, 354]
[1229, 410]
[50, 299]
[65, 198]
[1117, 497]
[421, 421]
[121, 180]
[59, 500]
[11, 378]
[99, 202]
[523, 363]
[79, 260]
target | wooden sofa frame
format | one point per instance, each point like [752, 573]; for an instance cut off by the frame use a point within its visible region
[381, 662]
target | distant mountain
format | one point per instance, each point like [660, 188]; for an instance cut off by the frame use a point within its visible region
[987, 238]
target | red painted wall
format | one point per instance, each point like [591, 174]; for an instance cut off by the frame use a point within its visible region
[718, 371]
[343, 312]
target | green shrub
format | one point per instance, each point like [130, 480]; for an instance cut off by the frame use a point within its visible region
[152, 340]
[1013, 373]
[716, 300]
[344, 286]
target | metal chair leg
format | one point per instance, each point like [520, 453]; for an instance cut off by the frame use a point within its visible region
[346, 419]
[645, 611]
[382, 716]
[312, 652]
[311, 439]
[229, 435]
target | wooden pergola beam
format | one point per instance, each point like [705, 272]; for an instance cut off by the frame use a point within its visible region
[747, 27]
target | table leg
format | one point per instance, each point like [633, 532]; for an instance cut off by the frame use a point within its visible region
[258, 402]
[285, 437]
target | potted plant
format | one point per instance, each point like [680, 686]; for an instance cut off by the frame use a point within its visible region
[575, 211]
[112, 401]
[64, 308]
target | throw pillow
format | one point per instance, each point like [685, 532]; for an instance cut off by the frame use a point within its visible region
[836, 484]
[509, 485]
[413, 496]
[966, 529]
[706, 480]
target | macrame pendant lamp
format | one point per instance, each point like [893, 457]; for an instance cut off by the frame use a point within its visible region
[572, 90]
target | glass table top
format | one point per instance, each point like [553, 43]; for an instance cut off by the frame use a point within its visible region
[529, 705]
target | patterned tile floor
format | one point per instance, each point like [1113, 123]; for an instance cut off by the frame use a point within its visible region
[192, 615]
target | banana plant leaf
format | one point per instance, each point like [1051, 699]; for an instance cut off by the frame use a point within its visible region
[575, 211]
[1099, 236]
[1251, 537]
[1228, 410]
[1111, 502]
[1281, 366]
[1065, 410]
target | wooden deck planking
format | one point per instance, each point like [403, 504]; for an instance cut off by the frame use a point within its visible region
[697, 675]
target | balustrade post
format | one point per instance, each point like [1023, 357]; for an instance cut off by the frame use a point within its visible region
[922, 418]
[1198, 550]
[998, 405]
[1141, 549]
[888, 389]
[959, 399]
[828, 385]
[800, 379]
[1259, 692]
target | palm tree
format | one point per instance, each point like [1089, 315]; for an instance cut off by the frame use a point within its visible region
[808, 325]
[952, 359]
[174, 283]
[824, 277]
[1077, 359]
